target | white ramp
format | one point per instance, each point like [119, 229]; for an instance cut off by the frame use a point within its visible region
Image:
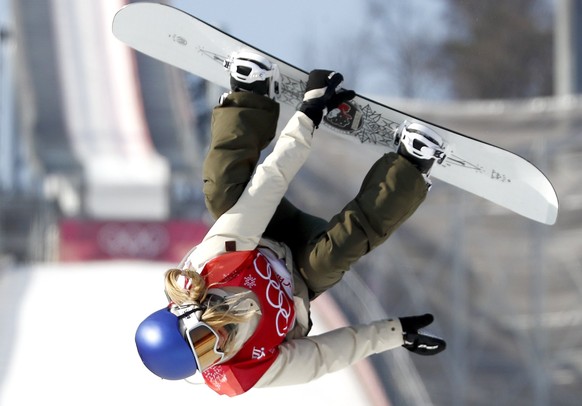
[68, 339]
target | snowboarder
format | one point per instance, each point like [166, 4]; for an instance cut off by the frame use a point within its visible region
[239, 301]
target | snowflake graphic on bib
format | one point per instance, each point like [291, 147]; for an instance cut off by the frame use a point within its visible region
[250, 282]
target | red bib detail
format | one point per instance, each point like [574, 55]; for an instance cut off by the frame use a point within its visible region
[251, 270]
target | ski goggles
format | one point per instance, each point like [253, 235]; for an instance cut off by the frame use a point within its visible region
[203, 340]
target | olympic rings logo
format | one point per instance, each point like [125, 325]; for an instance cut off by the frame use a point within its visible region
[276, 296]
[133, 240]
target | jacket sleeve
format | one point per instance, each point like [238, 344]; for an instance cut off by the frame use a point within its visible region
[246, 221]
[305, 359]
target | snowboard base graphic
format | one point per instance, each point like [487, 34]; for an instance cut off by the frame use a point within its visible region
[182, 40]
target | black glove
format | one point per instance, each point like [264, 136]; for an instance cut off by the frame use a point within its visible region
[322, 92]
[418, 341]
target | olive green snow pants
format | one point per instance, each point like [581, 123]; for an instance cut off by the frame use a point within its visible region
[322, 250]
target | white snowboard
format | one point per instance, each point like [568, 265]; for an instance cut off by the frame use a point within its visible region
[182, 40]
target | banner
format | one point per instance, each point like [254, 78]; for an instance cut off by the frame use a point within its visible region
[82, 240]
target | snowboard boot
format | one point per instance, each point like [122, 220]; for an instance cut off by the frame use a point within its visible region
[251, 72]
[421, 146]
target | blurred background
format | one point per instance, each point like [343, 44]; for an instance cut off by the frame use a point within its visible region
[100, 192]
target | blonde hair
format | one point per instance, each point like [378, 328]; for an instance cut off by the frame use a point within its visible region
[216, 315]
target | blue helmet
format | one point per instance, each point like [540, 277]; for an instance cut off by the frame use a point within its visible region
[162, 348]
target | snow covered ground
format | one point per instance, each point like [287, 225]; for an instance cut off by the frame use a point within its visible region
[67, 339]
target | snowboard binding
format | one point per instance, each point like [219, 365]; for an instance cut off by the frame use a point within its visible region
[254, 73]
[420, 145]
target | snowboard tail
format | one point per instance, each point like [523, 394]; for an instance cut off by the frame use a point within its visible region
[184, 41]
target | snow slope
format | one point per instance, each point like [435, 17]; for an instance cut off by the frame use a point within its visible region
[67, 339]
